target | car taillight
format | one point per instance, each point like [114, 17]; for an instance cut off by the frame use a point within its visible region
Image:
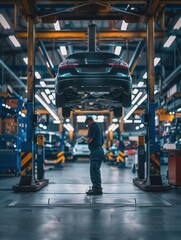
[68, 64]
[118, 64]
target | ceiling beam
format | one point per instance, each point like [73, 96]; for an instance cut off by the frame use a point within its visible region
[82, 35]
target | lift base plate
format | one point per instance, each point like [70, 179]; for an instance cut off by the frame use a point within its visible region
[141, 183]
[31, 188]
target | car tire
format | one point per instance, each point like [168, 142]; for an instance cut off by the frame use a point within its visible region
[66, 112]
[118, 112]
[60, 100]
[126, 100]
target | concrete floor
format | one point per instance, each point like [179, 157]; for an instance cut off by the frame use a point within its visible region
[62, 211]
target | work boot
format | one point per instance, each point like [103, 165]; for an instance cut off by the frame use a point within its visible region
[95, 191]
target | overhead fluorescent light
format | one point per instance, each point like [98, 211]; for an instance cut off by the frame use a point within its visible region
[81, 118]
[169, 41]
[128, 121]
[4, 23]
[140, 84]
[63, 50]
[142, 100]
[14, 41]
[145, 75]
[137, 121]
[135, 91]
[45, 97]
[178, 24]
[137, 97]
[47, 91]
[118, 50]
[42, 83]
[37, 75]
[130, 112]
[25, 59]
[156, 61]
[56, 121]
[68, 126]
[54, 115]
[124, 25]
[51, 97]
[57, 26]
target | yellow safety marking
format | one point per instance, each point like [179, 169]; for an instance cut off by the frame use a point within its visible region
[155, 159]
[60, 153]
[62, 158]
[27, 169]
[121, 153]
[26, 159]
[119, 158]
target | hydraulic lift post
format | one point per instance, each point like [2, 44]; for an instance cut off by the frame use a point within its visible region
[153, 181]
[27, 181]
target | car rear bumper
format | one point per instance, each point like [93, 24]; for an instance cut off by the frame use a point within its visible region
[93, 84]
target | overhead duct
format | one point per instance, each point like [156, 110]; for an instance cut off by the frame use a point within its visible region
[92, 37]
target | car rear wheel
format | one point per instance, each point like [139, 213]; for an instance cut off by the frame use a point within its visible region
[60, 100]
[126, 100]
[66, 112]
[118, 112]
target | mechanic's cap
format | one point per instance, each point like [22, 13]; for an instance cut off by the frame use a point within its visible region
[88, 119]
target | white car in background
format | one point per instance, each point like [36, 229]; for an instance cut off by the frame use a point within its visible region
[81, 150]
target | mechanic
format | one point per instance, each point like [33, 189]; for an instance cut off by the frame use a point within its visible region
[95, 141]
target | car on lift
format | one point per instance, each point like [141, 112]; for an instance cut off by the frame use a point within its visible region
[93, 81]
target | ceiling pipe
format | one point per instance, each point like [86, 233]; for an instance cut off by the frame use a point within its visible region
[46, 58]
[92, 37]
[171, 77]
[12, 74]
[135, 58]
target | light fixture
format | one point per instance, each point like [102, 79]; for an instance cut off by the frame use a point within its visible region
[142, 100]
[135, 91]
[178, 24]
[14, 41]
[63, 50]
[169, 41]
[54, 115]
[81, 118]
[4, 23]
[140, 84]
[136, 98]
[137, 121]
[130, 112]
[25, 59]
[57, 26]
[42, 83]
[51, 97]
[118, 50]
[37, 75]
[124, 25]
[156, 61]
[56, 121]
[45, 97]
[145, 75]
[69, 127]
[128, 121]
[47, 91]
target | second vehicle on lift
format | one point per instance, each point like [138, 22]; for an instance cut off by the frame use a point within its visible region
[93, 81]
